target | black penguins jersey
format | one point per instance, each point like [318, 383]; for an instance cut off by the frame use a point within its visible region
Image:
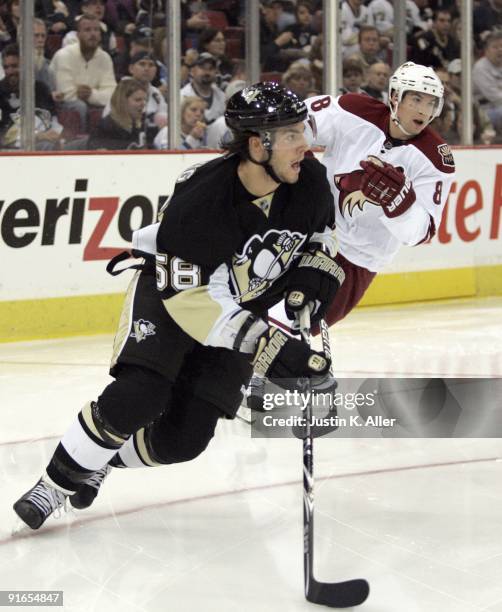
[221, 249]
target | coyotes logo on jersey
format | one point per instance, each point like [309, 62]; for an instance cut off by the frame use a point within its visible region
[351, 196]
[349, 185]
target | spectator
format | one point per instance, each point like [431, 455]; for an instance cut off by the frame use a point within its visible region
[303, 32]
[203, 86]
[212, 41]
[218, 130]
[58, 15]
[377, 81]
[160, 54]
[316, 57]
[42, 72]
[143, 69]
[283, 18]
[9, 23]
[123, 127]
[193, 20]
[187, 63]
[486, 18]
[487, 81]
[382, 12]
[298, 79]
[193, 126]
[418, 18]
[47, 128]
[272, 41]
[352, 72]
[354, 15]
[95, 8]
[150, 15]
[83, 72]
[135, 44]
[120, 16]
[445, 124]
[369, 51]
[436, 47]
[483, 132]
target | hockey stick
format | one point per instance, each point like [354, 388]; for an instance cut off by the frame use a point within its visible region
[333, 594]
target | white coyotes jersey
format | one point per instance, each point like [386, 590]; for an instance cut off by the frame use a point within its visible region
[352, 127]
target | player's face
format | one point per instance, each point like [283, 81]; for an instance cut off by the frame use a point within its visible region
[288, 150]
[415, 111]
[136, 103]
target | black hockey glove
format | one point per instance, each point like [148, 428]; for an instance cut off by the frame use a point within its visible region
[314, 281]
[284, 360]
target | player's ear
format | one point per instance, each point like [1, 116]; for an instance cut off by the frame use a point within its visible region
[256, 147]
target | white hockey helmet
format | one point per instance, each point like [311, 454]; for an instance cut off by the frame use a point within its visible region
[415, 77]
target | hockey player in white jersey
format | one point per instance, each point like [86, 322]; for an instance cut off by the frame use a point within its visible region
[390, 175]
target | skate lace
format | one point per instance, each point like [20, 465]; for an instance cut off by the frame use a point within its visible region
[96, 480]
[48, 499]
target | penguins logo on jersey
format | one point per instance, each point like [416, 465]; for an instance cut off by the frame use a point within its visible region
[262, 260]
[351, 196]
[142, 329]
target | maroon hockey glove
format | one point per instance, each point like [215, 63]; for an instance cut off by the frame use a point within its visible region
[387, 186]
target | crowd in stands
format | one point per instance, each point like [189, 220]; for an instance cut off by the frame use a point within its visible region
[101, 78]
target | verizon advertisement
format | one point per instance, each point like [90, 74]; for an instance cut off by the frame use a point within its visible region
[63, 217]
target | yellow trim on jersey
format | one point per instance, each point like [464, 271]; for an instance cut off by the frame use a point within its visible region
[99, 314]
[195, 311]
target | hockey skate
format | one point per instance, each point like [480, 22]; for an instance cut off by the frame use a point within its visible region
[252, 399]
[35, 506]
[87, 491]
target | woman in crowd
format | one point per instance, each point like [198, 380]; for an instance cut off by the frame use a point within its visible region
[193, 128]
[213, 41]
[123, 128]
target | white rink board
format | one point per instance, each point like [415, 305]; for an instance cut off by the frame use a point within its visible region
[57, 233]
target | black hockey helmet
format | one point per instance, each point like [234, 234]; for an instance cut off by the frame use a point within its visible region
[264, 106]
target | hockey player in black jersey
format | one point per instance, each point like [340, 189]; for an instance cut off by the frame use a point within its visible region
[238, 234]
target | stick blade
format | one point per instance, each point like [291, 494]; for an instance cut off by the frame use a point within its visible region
[338, 595]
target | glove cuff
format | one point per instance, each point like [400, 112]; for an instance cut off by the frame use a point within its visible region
[322, 262]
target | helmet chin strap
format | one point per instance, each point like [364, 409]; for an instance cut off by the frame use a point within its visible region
[393, 116]
[266, 165]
